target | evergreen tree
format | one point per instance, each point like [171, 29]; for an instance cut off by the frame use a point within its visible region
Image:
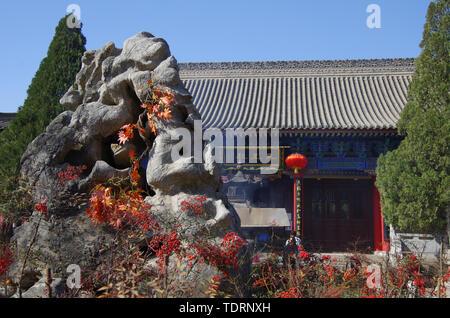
[414, 179]
[54, 76]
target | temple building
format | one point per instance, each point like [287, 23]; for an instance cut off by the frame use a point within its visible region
[341, 115]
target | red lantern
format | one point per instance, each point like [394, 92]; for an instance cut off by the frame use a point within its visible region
[296, 161]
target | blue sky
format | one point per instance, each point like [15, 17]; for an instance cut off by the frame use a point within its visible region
[211, 31]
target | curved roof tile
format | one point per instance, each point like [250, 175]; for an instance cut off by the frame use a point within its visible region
[300, 95]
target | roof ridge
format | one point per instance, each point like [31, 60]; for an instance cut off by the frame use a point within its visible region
[298, 64]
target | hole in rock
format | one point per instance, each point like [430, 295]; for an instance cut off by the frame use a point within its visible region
[118, 155]
[183, 111]
[135, 101]
[150, 191]
[77, 158]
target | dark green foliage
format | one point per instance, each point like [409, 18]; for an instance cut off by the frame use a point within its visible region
[414, 179]
[56, 73]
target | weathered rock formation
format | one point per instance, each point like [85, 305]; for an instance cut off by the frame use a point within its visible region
[107, 94]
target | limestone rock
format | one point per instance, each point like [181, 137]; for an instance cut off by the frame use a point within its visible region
[107, 94]
[60, 241]
[39, 290]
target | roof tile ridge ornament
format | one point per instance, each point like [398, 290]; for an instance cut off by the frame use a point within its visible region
[397, 66]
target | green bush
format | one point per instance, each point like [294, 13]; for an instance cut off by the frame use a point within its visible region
[56, 73]
[414, 179]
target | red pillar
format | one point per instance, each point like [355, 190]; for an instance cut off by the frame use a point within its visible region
[378, 224]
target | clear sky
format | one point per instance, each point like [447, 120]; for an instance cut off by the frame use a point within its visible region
[211, 31]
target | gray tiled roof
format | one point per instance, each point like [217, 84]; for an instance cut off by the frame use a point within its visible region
[300, 95]
[5, 118]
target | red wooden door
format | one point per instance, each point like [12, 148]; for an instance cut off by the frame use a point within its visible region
[338, 214]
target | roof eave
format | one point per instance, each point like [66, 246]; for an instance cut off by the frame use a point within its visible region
[339, 132]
